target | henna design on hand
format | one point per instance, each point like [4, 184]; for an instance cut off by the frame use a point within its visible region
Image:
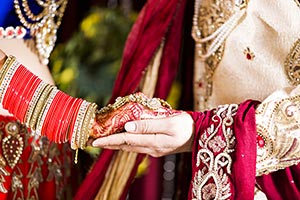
[112, 118]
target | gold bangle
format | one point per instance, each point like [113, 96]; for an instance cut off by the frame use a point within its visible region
[36, 115]
[33, 102]
[150, 103]
[87, 124]
[44, 110]
[78, 125]
[6, 74]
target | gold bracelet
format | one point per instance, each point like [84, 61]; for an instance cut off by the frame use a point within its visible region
[87, 124]
[37, 113]
[34, 102]
[78, 125]
[6, 74]
[150, 103]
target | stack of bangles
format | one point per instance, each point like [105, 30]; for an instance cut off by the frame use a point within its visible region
[43, 107]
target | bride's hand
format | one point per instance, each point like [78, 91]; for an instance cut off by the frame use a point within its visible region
[111, 119]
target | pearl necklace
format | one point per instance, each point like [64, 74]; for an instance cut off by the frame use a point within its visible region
[219, 36]
[212, 24]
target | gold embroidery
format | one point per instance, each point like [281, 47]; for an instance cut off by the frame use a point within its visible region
[12, 145]
[17, 185]
[42, 25]
[42, 154]
[211, 181]
[278, 124]
[208, 17]
[213, 22]
[3, 173]
[292, 64]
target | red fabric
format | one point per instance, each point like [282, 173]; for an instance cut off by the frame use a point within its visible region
[91, 184]
[244, 157]
[146, 186]
[38, 170]
[281, 185]
[158, 21]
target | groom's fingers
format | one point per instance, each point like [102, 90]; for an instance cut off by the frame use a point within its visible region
[135, 149]
[130, 139]
[151, 126]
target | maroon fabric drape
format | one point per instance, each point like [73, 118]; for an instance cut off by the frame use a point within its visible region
[158, 21]
[242, 176]
[281, 185]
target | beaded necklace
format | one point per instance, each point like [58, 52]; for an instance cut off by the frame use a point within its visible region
[43, 25]
[211, 27]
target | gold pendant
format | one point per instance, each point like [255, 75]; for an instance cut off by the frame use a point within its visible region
[12, 145]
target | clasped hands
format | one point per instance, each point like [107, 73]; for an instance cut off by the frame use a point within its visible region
[144, 125]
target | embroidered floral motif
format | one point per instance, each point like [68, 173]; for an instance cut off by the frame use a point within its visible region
[217, 144]
[211, 181]
[17, 185]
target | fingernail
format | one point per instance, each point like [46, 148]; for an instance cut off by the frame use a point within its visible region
[94, 144]
[130, 126]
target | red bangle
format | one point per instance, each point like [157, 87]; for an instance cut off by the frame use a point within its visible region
[43, 107]
[49, 117]
[30, 96]
[25, 96]
[16, 93]
[53, 125]
[70, 123]
[60, 132]
[67, 120]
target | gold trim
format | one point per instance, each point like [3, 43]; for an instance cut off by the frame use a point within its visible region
[292, 64]
[277, 123]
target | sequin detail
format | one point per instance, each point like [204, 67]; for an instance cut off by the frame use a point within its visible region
[24, 159]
